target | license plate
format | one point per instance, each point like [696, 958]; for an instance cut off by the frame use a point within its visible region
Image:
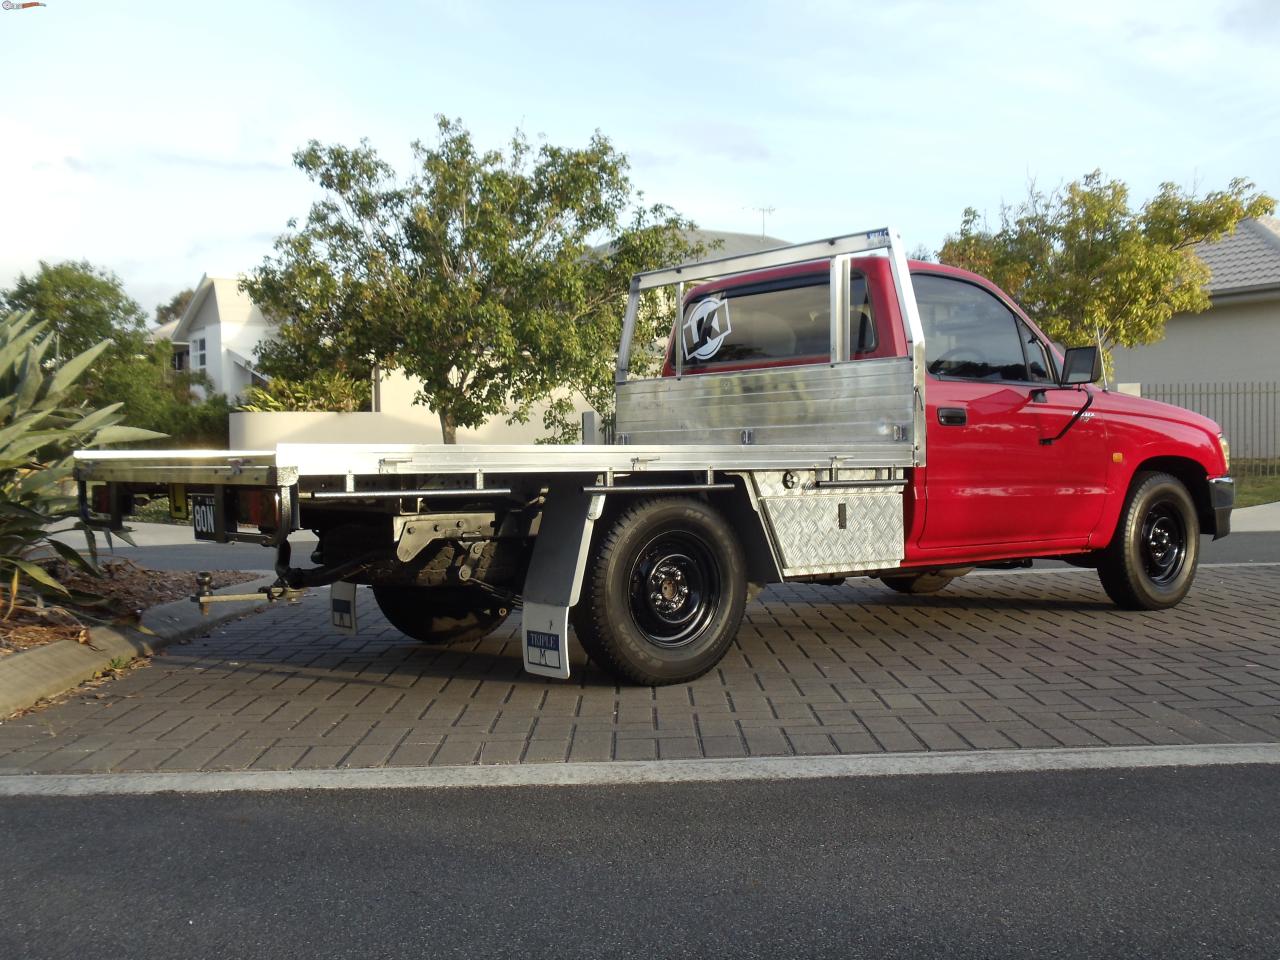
[204, 517]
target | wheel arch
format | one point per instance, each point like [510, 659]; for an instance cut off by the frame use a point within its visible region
[1193, 476]
[737, 507]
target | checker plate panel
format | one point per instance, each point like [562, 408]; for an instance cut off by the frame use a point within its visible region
[809, 538]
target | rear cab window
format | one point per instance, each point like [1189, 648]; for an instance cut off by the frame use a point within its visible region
[777, 322]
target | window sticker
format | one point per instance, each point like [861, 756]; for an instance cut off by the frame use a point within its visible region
[705, 329]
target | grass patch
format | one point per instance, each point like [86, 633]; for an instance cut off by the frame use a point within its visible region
[1253, 490]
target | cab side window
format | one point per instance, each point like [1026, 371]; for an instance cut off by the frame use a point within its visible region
[970, 335]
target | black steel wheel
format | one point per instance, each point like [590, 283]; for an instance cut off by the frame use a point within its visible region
[674, 587]
[440, 614]
[1151, 560]
[664, 592]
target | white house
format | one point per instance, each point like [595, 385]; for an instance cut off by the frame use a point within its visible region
[218, 333]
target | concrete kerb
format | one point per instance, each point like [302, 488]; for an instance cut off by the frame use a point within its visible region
[636, 772]
[34, 675]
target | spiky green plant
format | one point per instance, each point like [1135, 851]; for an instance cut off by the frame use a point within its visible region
[40, 426]
[325, 390]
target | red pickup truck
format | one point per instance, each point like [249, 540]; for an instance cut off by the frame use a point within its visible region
[825, 411]
[1017, 468]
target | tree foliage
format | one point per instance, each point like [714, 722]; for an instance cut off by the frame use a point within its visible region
[480, 274]
[1087, 265]
[140, 375]
[327, 390]
[173, 308]
[40, 425]
[81, 303]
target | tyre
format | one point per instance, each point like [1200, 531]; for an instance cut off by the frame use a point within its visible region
[924, 583]
[1151, 560]
[664, 592]
[439, 614]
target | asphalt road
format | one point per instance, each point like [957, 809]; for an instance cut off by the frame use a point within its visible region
[1157, 863]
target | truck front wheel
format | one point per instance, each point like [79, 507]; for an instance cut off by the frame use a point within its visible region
[1151, 560]
[439, 614]
[664, 592]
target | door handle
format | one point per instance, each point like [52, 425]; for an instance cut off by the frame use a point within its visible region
[953, 416]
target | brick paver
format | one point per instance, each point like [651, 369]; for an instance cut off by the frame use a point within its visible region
[1026, 660]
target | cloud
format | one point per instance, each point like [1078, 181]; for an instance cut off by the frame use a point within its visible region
[724, 139]
[219, 164]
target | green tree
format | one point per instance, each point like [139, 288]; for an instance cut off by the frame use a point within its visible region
[140, 376]
[174, 307]
[1088, 266]
[81, 303]
[481, 274]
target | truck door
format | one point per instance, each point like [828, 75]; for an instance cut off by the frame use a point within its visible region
[990, 402]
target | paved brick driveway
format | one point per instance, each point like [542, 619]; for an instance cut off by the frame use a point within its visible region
[1026, 660]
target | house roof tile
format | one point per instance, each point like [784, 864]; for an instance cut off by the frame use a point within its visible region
[1248, 259]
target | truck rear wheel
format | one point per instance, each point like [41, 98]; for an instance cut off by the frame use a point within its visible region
[439, 614]
[1151, 560]
[664, 592]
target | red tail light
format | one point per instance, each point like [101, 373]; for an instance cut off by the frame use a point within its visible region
[101, 498]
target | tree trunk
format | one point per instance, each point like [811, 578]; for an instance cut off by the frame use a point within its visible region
[448, 427]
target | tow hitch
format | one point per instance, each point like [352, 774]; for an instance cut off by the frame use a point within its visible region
[277, 591]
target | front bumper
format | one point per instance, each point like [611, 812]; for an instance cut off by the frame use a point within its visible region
[1222, 497]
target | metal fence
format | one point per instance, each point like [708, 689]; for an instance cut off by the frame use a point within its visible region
[1249, 414]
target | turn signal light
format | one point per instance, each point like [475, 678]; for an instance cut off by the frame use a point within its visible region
[260, 508]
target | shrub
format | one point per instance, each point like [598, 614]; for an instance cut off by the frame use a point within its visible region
[325, 391]
[39, 428]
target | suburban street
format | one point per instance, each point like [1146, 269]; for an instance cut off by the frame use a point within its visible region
[1165, 863]
[684, 498]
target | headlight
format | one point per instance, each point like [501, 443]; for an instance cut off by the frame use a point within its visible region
[1226, 452]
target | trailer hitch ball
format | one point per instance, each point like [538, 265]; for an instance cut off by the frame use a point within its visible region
[204, 588]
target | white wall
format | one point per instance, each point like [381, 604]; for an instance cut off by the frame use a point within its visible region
[242, 328]
[1234, 340]
[262, 431]
[205, 326]
[396, 391]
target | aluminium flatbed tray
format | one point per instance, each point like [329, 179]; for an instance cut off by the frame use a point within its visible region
[292, 463]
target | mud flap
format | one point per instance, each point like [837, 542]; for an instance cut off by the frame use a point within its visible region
[554, 580]
[342, 607]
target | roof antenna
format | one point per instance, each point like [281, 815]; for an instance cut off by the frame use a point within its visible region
[764, 212]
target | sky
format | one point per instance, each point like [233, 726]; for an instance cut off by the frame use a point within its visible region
[156, 138]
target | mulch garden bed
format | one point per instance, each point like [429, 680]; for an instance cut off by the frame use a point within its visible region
[126, 589]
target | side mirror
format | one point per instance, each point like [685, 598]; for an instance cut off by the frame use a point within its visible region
[1081, 365]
